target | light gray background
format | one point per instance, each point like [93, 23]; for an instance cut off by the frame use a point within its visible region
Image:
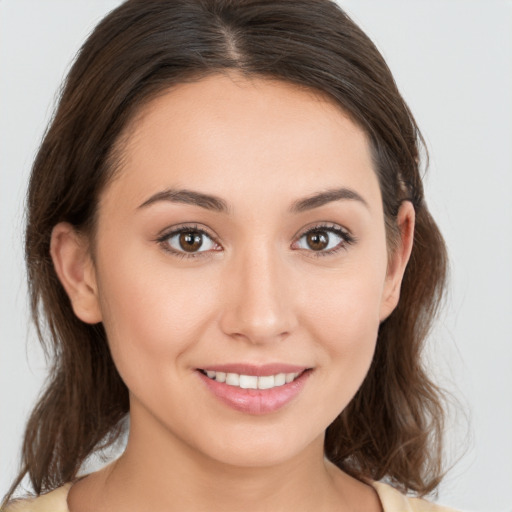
[452, 60]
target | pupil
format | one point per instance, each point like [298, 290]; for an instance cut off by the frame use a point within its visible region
[191, 241]
[318, 241]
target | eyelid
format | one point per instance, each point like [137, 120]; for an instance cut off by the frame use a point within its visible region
[347, 237]
[327, 226]
[172, 231]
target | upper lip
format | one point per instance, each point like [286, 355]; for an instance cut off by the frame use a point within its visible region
[253, 369]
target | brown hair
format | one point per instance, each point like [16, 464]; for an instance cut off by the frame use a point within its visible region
[392, 428]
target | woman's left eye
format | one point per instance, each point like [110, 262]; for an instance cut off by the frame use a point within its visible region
[324, 240]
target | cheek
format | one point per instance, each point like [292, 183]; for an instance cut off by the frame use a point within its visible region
[348, 329]
[344, 309]
[152, 317]
[344, 320]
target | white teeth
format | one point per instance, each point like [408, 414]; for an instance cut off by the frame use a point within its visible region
[252, 381]
[233, 379]
[248, 382]
[280, 379]
[266, 382]
[290, 377]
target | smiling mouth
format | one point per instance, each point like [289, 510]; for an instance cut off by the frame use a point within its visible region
[255, 389]
[252, 381]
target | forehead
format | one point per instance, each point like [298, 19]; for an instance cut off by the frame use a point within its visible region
[227, 131]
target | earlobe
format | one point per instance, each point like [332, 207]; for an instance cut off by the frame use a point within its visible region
[73, 264]
[398, 259]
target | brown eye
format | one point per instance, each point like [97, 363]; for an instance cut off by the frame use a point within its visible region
[324, 240]
[190, 241]
[317, 240]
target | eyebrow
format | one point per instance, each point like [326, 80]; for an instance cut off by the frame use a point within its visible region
[214, 203]
[206, 201]
[328, 196]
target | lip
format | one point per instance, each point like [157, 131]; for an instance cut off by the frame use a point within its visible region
[256, 401]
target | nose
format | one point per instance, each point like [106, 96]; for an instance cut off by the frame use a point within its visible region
[259, 297]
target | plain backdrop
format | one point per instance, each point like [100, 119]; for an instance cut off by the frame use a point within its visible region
[452, 60]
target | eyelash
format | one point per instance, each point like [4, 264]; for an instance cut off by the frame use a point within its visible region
[347, 239]
[165, 237]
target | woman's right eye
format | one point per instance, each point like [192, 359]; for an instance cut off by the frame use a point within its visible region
[188, 242]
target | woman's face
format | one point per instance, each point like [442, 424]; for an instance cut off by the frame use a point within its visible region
[243, 235]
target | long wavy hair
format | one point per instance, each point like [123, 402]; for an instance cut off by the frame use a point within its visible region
[393, 426]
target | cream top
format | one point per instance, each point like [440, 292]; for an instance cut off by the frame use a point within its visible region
[391, 500]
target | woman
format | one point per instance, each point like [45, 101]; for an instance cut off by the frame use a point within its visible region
[228, 240]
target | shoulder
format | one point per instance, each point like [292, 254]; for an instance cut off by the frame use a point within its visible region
[391, 499]
[54, 501]
[394, 501]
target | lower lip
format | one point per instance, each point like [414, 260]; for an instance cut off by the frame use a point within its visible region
[256, 401]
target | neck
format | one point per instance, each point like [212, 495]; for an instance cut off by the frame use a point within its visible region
[159, 471]
[180, 478]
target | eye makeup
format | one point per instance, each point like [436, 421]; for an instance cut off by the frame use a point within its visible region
[188, 238]
[320, 236]
[193, 241]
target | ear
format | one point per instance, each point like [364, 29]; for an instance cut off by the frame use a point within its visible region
[398, 259]
[73, 263]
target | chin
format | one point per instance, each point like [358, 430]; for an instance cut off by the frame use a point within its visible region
[253, 448]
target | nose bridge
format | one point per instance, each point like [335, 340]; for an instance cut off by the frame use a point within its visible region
[260, 307]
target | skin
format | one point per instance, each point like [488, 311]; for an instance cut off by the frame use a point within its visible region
[258, 293]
